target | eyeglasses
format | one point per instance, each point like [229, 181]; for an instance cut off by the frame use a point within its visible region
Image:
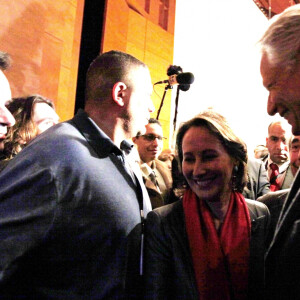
[151, 137]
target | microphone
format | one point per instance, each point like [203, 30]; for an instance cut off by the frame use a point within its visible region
[181, 78]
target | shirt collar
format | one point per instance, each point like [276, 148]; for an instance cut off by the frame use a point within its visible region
[101, 143]
[281, 168]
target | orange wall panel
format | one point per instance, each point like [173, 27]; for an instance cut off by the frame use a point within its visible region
[43, 40]
[115, 26]
[51, 56]
[127, 27]
[136, 34]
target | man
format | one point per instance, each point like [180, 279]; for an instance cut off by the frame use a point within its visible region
[280, 70]
[71, 207]
[277, 161]
[275, 200]
[156, 174]
[257, 183]
[294, 148]
[6, 118]
[286, 178]
[260, 151]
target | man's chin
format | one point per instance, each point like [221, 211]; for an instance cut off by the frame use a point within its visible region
[279, 159]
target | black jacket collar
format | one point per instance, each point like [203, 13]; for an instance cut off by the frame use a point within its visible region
[99, 141]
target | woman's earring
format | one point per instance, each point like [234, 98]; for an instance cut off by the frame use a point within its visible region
[234, 173]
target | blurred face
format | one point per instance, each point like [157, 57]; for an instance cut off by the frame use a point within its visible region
[138, 101]
[284, 91]
[295, 154]
[6, 118]
[260, 151]
[44, 116]
[206, 165]
[277, 143]
[150, 144]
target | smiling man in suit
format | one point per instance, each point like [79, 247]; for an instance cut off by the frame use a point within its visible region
[156, 174]
[280, 70]
[71, 207]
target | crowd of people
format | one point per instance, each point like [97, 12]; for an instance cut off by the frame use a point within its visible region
[95, 208]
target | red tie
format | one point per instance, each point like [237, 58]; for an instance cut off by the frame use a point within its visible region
[273, 178]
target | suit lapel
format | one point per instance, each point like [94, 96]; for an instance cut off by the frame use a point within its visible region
[163, 170]
[139, 179]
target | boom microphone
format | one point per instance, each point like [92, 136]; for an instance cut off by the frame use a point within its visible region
[181, 78]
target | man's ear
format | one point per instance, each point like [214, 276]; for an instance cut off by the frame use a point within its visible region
[118, 93]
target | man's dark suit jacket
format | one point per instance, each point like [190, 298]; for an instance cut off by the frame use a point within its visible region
[169, 270]
[283, 255]
[258, 183]
[274, 201]
[69, 218]
[158, 199]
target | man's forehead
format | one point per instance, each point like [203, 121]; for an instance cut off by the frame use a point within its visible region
[153, 127]
[264, 69]
[280, 128]
[267, 71]
[296, 139]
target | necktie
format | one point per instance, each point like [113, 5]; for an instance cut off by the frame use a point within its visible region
[274, 183]
[152, 176]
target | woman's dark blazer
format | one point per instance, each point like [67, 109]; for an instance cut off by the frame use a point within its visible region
[169, 270]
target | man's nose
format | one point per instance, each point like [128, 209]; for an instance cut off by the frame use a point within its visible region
[155, 142]
[6, 118]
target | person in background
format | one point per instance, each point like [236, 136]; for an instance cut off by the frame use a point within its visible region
[6, 118]
[277, 161]
[280, 70]
[260, 151]
[257, 183]
[156, 174]
[286, 178]
[210, 244]
[275, 200]
[33, 114]
[167, 157]
[71, 207]
[294, 149]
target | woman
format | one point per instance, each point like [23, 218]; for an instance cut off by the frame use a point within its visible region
[34, 115]
[210, 244]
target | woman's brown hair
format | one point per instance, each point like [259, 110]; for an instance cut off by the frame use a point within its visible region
[233, 145]
[24, 130]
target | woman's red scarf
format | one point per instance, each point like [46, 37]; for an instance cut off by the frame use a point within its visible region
[221, 262]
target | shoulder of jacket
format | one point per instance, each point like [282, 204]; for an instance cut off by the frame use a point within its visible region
[257, 208]
[169, 209]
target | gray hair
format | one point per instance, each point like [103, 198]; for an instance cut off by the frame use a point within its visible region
[281, 41]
